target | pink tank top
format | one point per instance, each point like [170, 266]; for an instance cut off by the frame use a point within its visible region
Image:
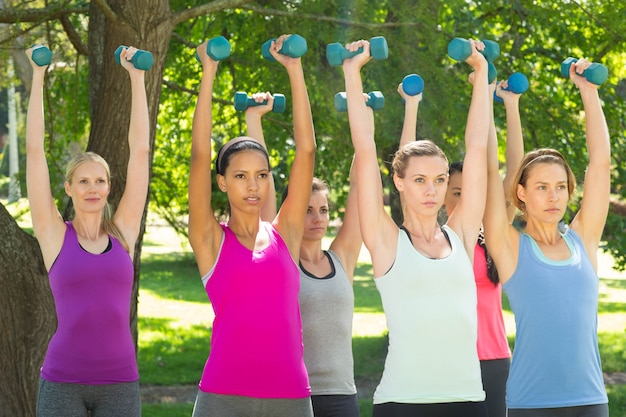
[492, 341]
[93, 342]
[256, 344]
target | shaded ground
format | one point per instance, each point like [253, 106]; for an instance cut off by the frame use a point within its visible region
[155, 394]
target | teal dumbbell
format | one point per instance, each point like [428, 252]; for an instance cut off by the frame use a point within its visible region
[294, 46]
[460, 49]
[375, 100]
[41, 56]
[217, 48]
[142, 60]
[517, 83]
[596, 73]
[243, 101]
[412, 84]
[492, 72]
[336, 53]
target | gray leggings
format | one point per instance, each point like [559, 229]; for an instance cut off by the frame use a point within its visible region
[218, 405]
[81, 400]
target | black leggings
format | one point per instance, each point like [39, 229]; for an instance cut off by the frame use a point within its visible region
[463, 409]
[494, 374]
[335, 405]
[597, 410]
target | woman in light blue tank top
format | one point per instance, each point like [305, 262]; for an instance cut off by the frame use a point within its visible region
[81, 373]
[550, 276]
[423, 270]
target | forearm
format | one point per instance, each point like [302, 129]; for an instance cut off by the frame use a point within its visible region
[304, 134]
[597, 133]
[139, 130]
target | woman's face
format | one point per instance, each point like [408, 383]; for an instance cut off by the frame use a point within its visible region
[89, 187]
[424, 184]
[246, 180]
[545, 194]
[317, 217]
[453, 194]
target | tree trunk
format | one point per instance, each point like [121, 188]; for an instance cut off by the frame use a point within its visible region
[145, 27]
[27, 318]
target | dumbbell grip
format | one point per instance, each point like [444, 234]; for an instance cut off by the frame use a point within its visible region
[243, 102]
[141, 60]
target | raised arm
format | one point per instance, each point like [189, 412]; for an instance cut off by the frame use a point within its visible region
[378, 229]
[466, 219]
[411, 106]
[514, 142]
[130, 209]
[254, 115]
[290, 219]
[205, 233]
[591, 218]
[48, 224]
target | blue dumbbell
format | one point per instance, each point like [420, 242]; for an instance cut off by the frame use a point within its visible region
[517, 83]
[243, 101]
[142, 60]
[336, 53]
[41, 56]
[413, 84]
[375, 100]
[294, 46]
[217, 48]
[460, 49]
[596, 73]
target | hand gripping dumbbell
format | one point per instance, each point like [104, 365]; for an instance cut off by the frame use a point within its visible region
[412, 84]
[243, 101]
[460, 49]
[294, 46]
[517, 83]
[217, 48]
[142, 60]
[336, 53]
[375, 100]
[41, 55]
[596, 73]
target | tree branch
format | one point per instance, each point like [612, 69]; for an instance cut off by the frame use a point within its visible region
[73, 36]
[106, 10]
[205, 9]
[344, 22]
[15, 15]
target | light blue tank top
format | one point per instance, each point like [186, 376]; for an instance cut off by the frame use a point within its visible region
[556, 362]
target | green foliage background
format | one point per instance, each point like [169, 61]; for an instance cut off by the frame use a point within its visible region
[534, 37]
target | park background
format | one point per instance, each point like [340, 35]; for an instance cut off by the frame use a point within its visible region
[86, 108]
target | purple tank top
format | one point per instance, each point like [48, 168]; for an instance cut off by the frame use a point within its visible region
[92, 294]
[256, 345]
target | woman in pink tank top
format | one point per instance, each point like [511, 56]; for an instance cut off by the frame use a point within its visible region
[247, 264]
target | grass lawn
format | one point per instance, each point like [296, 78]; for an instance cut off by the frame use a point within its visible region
[175, 325]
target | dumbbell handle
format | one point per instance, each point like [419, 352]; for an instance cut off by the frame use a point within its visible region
[243, 101]
[141, 60]
[460, 49]
[595, 73]
[375, 100]
[41, 55]
[336, 53]
[294, 46]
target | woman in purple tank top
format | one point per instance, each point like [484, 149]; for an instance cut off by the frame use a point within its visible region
[90, 364]
[248, 265]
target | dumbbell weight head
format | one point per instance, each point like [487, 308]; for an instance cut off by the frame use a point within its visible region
[517, 83]
[294, 46]
[217, 48]
[142, 60]
[492, 72]
[596, 73]
[412, 84]
[243, 101]
[336, 53]
[41, 55]
[375, 100]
